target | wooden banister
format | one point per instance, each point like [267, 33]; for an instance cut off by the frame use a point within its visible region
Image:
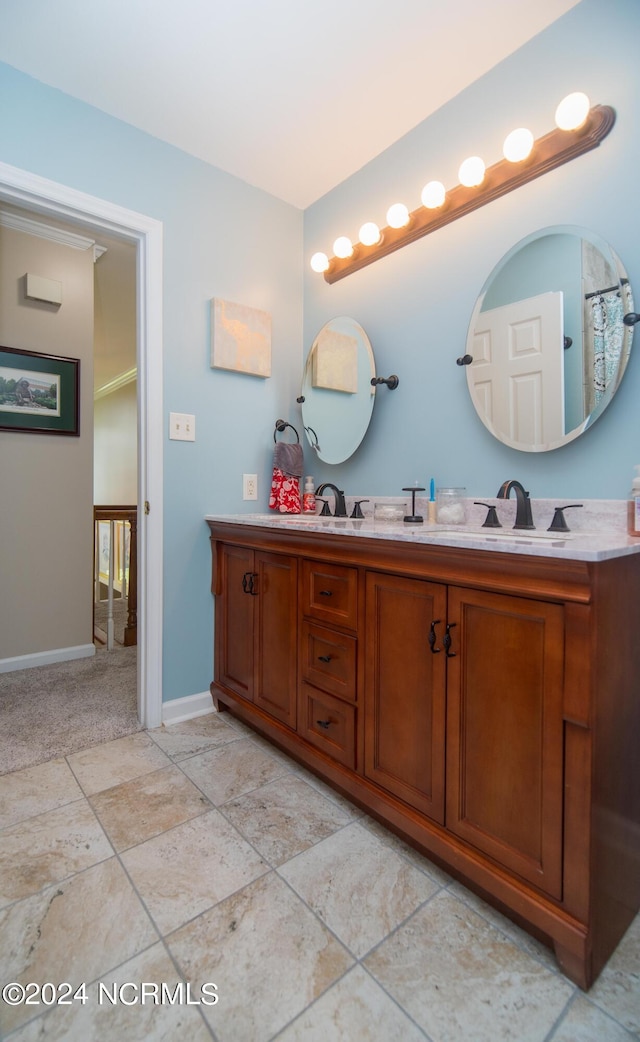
[130, 515]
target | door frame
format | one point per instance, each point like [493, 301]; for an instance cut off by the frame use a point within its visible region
[22, 188]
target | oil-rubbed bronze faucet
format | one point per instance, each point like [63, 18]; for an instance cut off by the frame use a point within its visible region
[341, 506]
[523, 508]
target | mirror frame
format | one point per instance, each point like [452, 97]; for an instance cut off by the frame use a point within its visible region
[346, 407]
[623, 286]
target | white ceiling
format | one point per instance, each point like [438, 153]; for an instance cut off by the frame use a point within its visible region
[292, 96]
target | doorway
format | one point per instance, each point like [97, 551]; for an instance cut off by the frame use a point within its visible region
[99, 216]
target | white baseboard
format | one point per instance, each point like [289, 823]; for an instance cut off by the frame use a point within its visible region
[46, 658]
[179, 709]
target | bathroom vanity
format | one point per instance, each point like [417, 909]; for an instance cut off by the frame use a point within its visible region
[479, 698]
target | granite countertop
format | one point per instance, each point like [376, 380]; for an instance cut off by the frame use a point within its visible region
[599, 534]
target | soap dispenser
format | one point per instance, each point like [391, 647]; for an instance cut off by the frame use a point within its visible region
[308, 497]
[633, 505]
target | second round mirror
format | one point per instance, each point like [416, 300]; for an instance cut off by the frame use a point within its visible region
[336, 389]
[547, 338]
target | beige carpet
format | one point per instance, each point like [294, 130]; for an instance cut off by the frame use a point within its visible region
[51, 711]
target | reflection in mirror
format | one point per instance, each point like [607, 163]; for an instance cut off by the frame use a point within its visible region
[337, 396]
[547, 339]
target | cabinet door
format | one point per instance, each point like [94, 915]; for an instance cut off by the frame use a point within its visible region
[505, 731]
[405, 690]
[234, 622]
[275, 635]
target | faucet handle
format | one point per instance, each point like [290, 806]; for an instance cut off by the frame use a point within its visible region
[491, 520]
[325, 512]
[559, 523]
[357, 512]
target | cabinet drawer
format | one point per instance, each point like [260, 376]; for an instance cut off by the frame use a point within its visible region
[329, 660]
[329, 724]
[330, 593]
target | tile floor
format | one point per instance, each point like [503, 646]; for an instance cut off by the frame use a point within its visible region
[198, 853]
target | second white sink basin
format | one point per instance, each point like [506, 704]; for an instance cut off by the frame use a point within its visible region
[510, 535]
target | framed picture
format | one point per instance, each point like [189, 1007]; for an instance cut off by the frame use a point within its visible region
[39, 393]
[240, 338]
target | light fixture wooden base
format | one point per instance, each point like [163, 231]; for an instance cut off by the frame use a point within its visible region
[551, 151]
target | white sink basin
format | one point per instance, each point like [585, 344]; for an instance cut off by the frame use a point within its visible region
[491, 535]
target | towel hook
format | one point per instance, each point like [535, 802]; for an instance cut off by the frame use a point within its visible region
[281, 425]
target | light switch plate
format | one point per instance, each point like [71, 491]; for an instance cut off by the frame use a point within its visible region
[182, 426]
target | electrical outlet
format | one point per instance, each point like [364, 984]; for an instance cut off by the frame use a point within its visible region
[249, 486]
[182, 426]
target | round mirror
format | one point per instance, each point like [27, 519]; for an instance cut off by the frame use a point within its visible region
[337, 396]
[547, 339]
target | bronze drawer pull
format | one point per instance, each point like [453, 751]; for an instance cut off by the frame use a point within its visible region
[447, 640]
[432, 637]
[249, 584]
[324, 658]
[323, 723]
[326, 593]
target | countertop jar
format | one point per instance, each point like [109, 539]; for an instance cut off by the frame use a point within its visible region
[450, 506]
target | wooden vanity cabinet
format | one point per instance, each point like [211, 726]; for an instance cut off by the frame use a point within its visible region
[482, 705]
[405, 690]
[328, 660]
[505, 731]
[256, 629]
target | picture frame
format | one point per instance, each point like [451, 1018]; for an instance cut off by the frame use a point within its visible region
[39, 393]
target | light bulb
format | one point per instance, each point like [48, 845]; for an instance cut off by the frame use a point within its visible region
[433, 195]
[397, 216]
[343, 247]
[572, 111]
[471, 172]
[517, 145]
[369, 234]
[319, 262]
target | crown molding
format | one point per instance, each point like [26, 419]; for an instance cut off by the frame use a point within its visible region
[27, 225]
[114, 385]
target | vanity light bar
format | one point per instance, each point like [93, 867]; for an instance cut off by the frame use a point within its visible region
[548, 152]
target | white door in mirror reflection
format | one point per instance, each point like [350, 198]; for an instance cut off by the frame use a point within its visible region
[517, 373]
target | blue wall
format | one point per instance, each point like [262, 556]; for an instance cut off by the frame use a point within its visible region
[416, 303]
[221, 238]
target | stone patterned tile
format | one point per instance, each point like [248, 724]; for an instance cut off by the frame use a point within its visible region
[269, 747]
[584, 1022]
[73, 931]
[191, 867]
[328, 792]
[417, 859]
[194, 736]
[137, 810]
[48, 848]
[268, 955]
[102, 766]
[233, 770]
[36, 790]
[359, 887]
[458, 977]
[524, 940]
[617, 989]
[238, 725]
[285, 817]
[354, 1008]
[144, 1021]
